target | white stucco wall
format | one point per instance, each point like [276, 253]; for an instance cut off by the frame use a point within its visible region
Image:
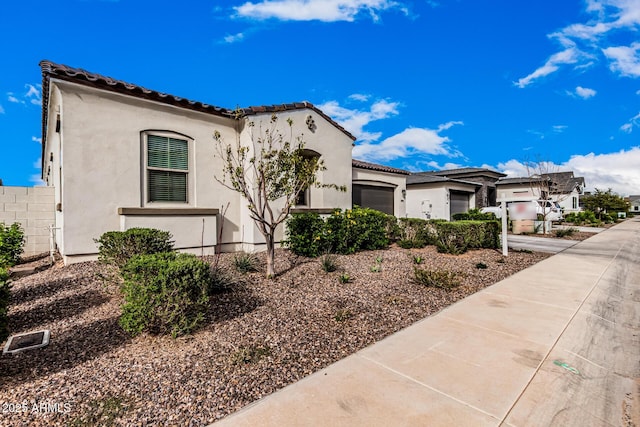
[100, 152]
[384, 179]
[431, 200]
[524, 191]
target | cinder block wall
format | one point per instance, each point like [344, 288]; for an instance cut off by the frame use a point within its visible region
[34, 209]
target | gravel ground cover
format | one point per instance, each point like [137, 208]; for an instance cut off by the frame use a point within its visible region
[260, 337]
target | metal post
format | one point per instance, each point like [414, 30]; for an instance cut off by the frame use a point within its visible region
[503, 211]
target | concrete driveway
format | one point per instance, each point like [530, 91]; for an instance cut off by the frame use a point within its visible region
[557, 344]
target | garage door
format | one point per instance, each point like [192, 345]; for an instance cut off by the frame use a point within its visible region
[459, 202]
[378, 198]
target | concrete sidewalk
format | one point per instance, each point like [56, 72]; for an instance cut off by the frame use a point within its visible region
[555, 344]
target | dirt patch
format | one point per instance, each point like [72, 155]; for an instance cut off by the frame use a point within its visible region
[258, 338]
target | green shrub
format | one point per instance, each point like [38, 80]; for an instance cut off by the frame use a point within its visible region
[356, 229]
[416, 233]
[305, 234]
[473, 215]
[329, 263]
[250, 354]
[456, 237]
[481, 266]
[117, 247]
[164, 293]
[5, 295]
[417, 259]
[222, 280]
[11, 244]
[565, 232]
[344, 278]
[345, 232]
[245, 263]
[436, 278]
[582, 217]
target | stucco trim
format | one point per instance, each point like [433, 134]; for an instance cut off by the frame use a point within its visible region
[169, 211]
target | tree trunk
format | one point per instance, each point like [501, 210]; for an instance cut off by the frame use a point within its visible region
[271, 255]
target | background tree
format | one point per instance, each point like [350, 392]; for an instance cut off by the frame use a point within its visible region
[545, 181]
[270, 174]
[603, 202]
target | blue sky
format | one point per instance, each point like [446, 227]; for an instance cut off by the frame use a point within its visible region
[424, 85]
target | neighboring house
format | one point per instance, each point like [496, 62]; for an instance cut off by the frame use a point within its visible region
[566, 189]
[485, 193]
[432, 196]
[634, 202]
[379, 187]
[561, 187]
[122, 156]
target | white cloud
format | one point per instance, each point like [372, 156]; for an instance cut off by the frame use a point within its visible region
[584, 43]
[36, 180]
[625, 60]
[233, 38]
[36, 139]
[317, 10]
[355, 120]
[567, 56]
[1, 110]
[560, 128]
[363, 98]
[409, 142]
[618, 170]
[34, 94]
[634, 121]
[585, 92]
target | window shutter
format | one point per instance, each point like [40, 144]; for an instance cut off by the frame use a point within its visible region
[166, 158]
[167, 153]
[165, 186]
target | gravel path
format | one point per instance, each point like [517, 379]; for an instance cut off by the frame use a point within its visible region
[258, 338]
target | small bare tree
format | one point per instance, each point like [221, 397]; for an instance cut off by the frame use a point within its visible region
[270, 174]
[546, 181]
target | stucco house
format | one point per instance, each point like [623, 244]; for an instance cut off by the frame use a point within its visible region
[379, 187]
[120, 156]
[438, 197]
[561, 187]
[440, 194]
[634, 204]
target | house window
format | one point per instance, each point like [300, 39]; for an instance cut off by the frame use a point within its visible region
[575, 203]
[167, 169]
[304, 197]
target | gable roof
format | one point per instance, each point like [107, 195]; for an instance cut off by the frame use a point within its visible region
[376, 167]
[78, 75]
[420, 178]
[464, 171]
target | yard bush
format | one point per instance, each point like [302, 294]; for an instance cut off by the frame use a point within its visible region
[417, 233]
[435, 278]
[473, 215]
[164, 293]
[117, 247]
[456, 237]
[5, 294]
[582, 217]
[305, 234]
[11, 244]
[344, 232]
[355, 230]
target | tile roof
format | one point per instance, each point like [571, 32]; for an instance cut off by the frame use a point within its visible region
[376, 167]
[518, 180]
[426, 179]
[78, 75]
[460, 171]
